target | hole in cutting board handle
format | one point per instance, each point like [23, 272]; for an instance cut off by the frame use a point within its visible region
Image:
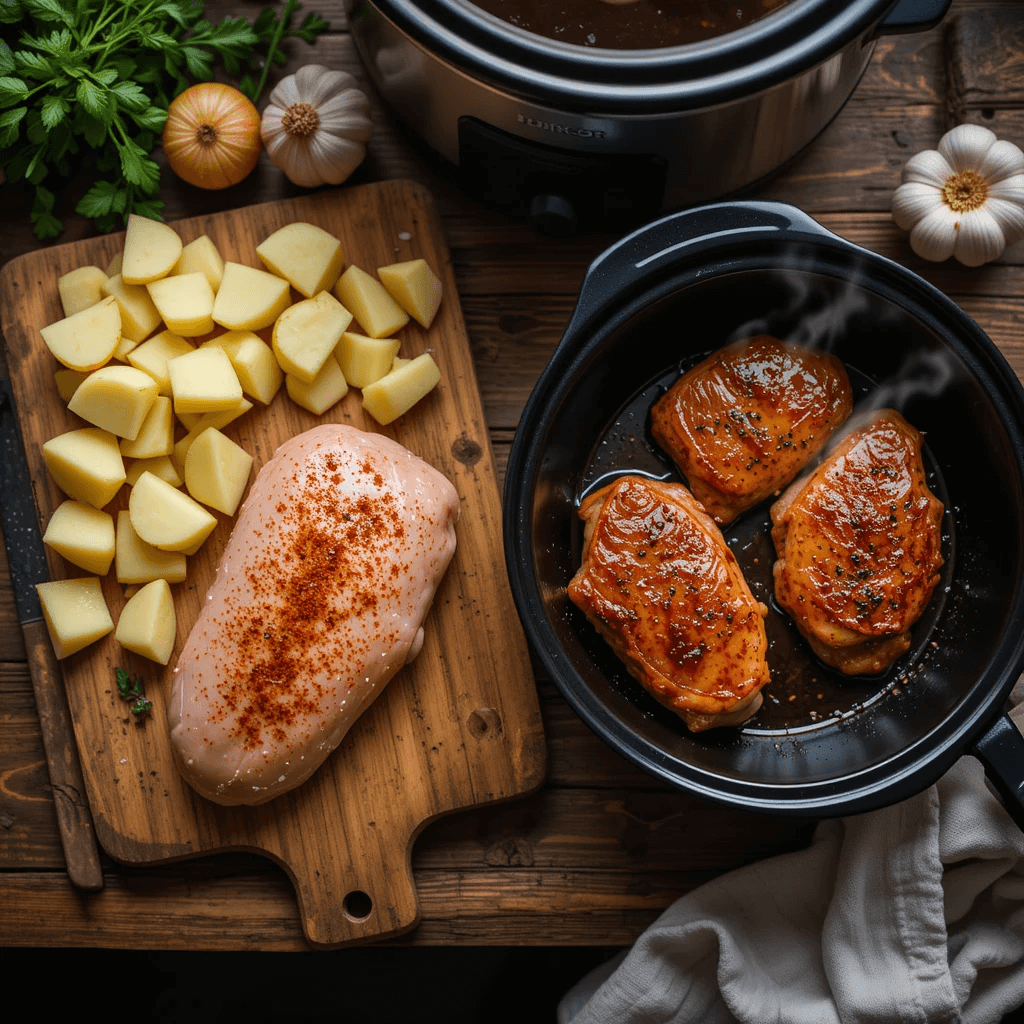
[357, 905]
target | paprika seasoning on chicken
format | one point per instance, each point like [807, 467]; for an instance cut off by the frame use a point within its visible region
[319, 600]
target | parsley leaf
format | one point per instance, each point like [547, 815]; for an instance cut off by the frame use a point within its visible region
[12, 90]
[312, 26]
[93, 99]
[7, 64]
[97, 201]
[53, 111]
[138, 169]
[130, 95]
[49, 10]
[9, 121]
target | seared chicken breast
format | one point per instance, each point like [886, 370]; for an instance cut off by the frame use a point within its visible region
[320, 598]
[744, 422]
[661, 586]
[859, 546]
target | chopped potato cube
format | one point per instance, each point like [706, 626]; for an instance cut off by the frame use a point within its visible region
[255, 365]
[377, 313]
[68, 382]
[201, 256]
[152, 356]
[116, 398]
[83, 535]
[386, 399]
[326, 389]
[151, 249]
[86, 464]
[81, 289]
[203, 381]
[139, 317]
[180, 453]
[415, 287]
[155, 436]
[160, 466]
[249, 299]
[85, 340]
[196, 421]
[306, 256]
[364, 360]
[216, 420]
[168, 518]
[76, 614]
[185, 302]
[139, 562]
[147, 624]
[305, 334]
[217, 470]
[124, 346]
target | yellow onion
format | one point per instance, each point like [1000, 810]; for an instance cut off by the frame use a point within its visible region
[212, 135]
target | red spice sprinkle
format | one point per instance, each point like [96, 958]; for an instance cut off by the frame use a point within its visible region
[332, 567]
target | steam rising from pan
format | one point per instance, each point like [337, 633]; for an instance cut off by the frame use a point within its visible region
[806, 318]
[800, 316]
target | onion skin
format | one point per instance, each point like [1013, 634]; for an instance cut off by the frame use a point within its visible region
[212, 135]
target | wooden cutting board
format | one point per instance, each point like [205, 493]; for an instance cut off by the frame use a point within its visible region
[458, 728]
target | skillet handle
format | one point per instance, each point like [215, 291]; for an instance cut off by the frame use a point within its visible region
[913, 16]
[639, 257]
[1001, 751]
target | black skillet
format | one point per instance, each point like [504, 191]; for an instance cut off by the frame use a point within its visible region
[823, 744]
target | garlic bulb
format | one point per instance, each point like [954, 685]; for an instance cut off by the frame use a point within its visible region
[963, 199]
[316, 126]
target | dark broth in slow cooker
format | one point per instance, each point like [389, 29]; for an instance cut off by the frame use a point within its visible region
[645, 25]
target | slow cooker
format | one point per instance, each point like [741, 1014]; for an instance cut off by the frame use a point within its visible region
[822, 744]
[571, 136]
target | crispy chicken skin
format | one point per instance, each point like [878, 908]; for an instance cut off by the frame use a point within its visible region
[742, 424]
[859, 546]
[660, 585]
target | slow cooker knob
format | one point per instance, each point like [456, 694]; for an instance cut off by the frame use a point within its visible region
[553, 215]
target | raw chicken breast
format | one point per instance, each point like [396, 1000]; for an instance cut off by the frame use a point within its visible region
[319, 600]
[741, 424]
[661, 586]
[859, 542]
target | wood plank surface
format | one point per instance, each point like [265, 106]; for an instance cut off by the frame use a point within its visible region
[460, 727]
[598, 876]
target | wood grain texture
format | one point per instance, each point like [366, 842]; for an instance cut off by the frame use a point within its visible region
[986, 60]
[518, 289]
[458, 728]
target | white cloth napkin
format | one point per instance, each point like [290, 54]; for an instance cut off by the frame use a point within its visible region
[913, 913]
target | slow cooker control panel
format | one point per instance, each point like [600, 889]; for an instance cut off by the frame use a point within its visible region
[558, 191]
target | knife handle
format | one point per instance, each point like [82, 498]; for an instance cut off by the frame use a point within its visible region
[73, 818]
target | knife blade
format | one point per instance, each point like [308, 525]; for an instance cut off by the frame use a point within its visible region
[26, 557]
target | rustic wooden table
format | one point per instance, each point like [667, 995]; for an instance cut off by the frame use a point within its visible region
[601, 849]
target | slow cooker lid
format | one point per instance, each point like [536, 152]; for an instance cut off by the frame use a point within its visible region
[779, 46]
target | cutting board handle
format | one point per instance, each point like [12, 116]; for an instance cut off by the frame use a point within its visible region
[338, 908]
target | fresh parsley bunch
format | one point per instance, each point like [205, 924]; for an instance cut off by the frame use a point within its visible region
[90, 80]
